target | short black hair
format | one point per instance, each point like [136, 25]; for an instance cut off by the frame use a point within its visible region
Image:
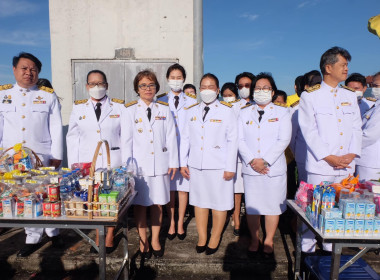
[262, 75]
[244, 75]
[375, 75]
[312, 78]
[231, 86]
[189, 86]
[176, 66]
[97, 72]
[44, 83]
[210, 76]
[356, 77]
[150, 75]
[29, 56]
[279, 93]
[299, 82]
[331, 57]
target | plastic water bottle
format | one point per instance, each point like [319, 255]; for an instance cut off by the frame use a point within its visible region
[65, 191]
[119, 182]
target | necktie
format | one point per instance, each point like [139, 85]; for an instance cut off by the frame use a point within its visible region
[206, 111]
[98, 111]
[149, 113]
[176, 102]
[261, 113]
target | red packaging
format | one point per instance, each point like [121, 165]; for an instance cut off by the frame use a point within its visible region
[1, 208]
[19, 208]
[53, 193]
[55, 209]
[46, 208]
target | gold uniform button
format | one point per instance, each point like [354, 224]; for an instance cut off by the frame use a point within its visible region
[23, 104]
[258, 151]
[23, 141]
[202, 137]
[100, 154]
[151, 142]
[23, 129]
[150, 130]
[98, 131]
[341, 147]
[331, 90]
[202, 126]
[258, 127]
[335, 95]
[258, 139]
[337, 107]
[24, 94]
[201, 149]
[339, 120]
[152, 153]
[23, 117]
[341, 133]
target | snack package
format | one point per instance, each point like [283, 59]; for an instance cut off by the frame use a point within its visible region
[303, 198]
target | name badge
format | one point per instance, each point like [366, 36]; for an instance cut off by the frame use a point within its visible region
[39, 102]
[345, 104]
[160, 118]
[114, 116]
[273, 120]
[216, 121]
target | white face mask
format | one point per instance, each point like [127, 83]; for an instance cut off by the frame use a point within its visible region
[262, 98]
[97, 92]
[208, 95]
[244, 92]
[229, 99]
[175, 85]
[376, 93]
[359, 94]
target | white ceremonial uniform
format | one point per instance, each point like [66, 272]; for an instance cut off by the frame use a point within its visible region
[365, 104]
[151, 147]
[32, 117]
[185, 100]
[85, 131]
[209, 148]
[368, 166]
[267, 139]
[330, 122]
[298, 143]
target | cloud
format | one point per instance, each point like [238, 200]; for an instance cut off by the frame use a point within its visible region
[17, 7]
[24, 38]
[307, 3]
[250, 17]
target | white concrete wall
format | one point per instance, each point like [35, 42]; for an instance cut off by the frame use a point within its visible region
[93, 29]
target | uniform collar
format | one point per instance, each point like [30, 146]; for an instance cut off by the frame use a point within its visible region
[18, 88]
[171, 95]
[143, 104]
[328, 88]
[103, 101]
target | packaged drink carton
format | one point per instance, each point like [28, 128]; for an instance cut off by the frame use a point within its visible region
[376, 227]
[29, 207]
[349, 208]
[370, 211]
[329, 227]
[8, 207]
[349, 227]
[339, 227]
[368, 228]
[360, 210]
[359, 228]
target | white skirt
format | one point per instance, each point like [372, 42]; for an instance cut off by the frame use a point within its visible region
[179, 183]
[152, 190]
[238, 179]
[209, 190]
[367, 173]
[265, 195]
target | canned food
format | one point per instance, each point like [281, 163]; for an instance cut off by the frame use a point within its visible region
[46, 208]
[55, 209]
[53, 193]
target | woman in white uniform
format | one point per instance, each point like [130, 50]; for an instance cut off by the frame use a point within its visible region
[150, 146]
[229, 93]
[178, 101]
[208, 158]
[264, 133]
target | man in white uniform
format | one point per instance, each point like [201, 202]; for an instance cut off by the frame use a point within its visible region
[31, 115]
[358, 83]
[330, 122]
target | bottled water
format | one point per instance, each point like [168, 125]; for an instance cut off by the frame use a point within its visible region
[65, 191]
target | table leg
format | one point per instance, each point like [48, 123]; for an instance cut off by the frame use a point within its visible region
[297, 263]
[335, 261]
[102, 253]
[125, 263]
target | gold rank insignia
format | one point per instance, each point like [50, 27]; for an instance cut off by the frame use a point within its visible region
[280, 104]
[371, 99]
[140, 130]
[7, 86]
[162, 103]
[162, 95]
[39, 98]
[47, 89]
[117, 100]
[195, 104]
[226, 104]
[348, 88]
[191, 95]
[130, 103]
[77, 102]
[295, 104]
[314, 88]
[237, 100]
[246, 106]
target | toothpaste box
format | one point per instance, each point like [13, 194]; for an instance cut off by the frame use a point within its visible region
[376, 227]
[336, 213]
[329, 227]
[349, 209]
[339, 227]
[349, 227]
[360, 210]
[359, 228]
[321, 224]
[368, 227]
[370, 211]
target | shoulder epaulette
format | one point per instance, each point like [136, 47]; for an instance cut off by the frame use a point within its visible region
[191, 95]
[314, 88]
[117, 100]
[130, 103]
[226, 104]
[237, 100]
[280, 104]
[47, 89]
[295, 104]
[186, 108]
[76, 102]
[371, 99]
[162, 103]
[162, 95]
[348, 88]
[7, 86]
[246, 106]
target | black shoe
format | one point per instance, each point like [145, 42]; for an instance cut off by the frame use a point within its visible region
[268, 256]
[182, 236]
[236, 232]
[158, 253]
[57, 242]
[27, 250]
[210, 251]
[93, 250]
[253, 254]
[171, 236]
[200, 249]
[145, 255]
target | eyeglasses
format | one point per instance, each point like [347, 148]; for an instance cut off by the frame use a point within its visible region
[100, 84]
[247, 85]
[145, 86]
[264, 89]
